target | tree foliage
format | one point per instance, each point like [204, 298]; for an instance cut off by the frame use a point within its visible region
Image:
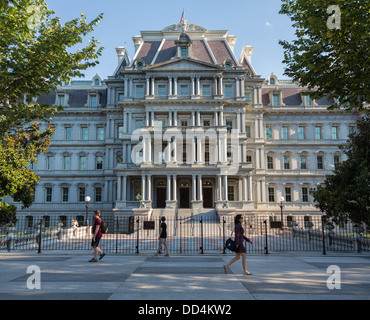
[330, 61]
[346, 193]
[37, 53]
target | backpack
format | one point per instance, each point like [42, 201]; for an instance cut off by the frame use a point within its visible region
[230, 244]
[103, 227]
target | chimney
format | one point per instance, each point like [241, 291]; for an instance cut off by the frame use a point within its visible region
[248, 51]
[120, 53]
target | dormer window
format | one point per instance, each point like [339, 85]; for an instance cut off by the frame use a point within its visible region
[272, 81]
[184, 52]
[183, 45]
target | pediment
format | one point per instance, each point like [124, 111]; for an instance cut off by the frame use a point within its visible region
[184, 64]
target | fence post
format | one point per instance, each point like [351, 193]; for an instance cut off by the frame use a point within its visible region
[39, 251]
[201, 236]
[266, 246]
[223, 234]
[117, 231]
[137, 236]
[323, 236]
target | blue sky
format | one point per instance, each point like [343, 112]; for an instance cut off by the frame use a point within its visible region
[255, 23]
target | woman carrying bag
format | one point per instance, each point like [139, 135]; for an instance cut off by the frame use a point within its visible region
[240, 248]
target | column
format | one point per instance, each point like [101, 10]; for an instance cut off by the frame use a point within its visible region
[225, 189]
[200, 188]
[168, 155]
[144, 150]
[143, 195]
[193, 148]
[147, 86]
[242, 86]
[168, 187]
[198, 118]
[198, 85]
[174, 189]
[147, 119]
[238, 117]
[175, 119]
[194, 187]
[170, 86]
[221, 118]
[219, 188]
[249, 187]
[175, 86]
[152, 85]
[215, 86]
[243, 122]
[199, 150]
[124, 188]
[244, 195]
[126, 87]
[149, 150]
[149, 195]
[119, 184]
[170, 119]
[216, 118]
[192, 86]
[193, 119]
[237, 84]
[221, 92]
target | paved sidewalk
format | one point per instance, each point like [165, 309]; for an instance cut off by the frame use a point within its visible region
[201, 277]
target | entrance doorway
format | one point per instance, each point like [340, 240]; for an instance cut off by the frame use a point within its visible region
[184, 198]
[161, 197]
[207, 197]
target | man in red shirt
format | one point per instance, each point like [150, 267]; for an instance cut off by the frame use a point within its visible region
[97, 235]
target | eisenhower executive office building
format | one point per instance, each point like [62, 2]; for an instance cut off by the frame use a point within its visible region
[187, 127]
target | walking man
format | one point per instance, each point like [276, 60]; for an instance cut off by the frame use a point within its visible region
[97, 235]
[162, 236]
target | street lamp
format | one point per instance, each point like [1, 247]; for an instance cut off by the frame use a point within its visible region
[281, 211]
[87, 200]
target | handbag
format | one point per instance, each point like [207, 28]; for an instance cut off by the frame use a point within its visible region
[230, 244]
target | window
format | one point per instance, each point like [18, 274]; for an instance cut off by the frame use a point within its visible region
[61, 100]
[68, 133]
[138, 124]
[285, 133]
[120, 132]
[275, 101]
[304, 194]
[351, 130]
[206, 90]
[228, 66]
[99, 163]
[184, 123]
[320, 162]
[83, 162]
[249, 158]
[334, 133]
[206, 123]
[98, 194]
[81, 194]
[49, 193]
[271, 194]
[65, 194]
[248, 131]
[228, 91]
[248, 96]
[161, 90]
[66, 163]
[140, 92]
[52, 137]
[270, 162]
[84, 133]
[288, 194]
[307, 100]
[301, 132]
[268, 133]
[121, 96]
[286, 162]
[100, 133]
[318, 134]
[184, 90]
[93, 100]
[272, 81]
[231, 193]
[46, 221]
[303, 162]
[184, 52]
[336, 160]
[229, 125]
[97, 82]
[50, 163]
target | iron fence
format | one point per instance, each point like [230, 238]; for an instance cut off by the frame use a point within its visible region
[186, 235]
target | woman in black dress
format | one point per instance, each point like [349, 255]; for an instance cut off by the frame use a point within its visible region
[240, 251]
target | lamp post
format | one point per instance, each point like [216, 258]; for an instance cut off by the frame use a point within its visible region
[281, 211]
[87, 200]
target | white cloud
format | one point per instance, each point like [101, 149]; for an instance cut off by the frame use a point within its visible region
[268, 24]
